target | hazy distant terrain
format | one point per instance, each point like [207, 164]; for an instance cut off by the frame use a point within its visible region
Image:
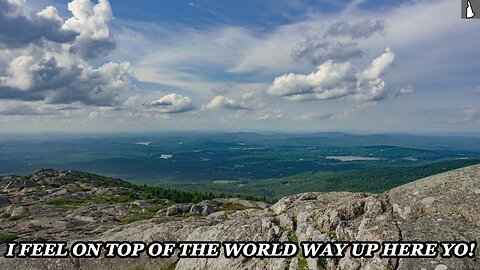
[270, 165]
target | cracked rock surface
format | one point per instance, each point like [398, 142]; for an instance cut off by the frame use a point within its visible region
[443, 207]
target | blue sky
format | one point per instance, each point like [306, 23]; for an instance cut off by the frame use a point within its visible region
[367, 66]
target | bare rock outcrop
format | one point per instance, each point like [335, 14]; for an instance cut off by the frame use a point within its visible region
[442, 207]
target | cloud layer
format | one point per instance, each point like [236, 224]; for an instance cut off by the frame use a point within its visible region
[68, 66]
[362, 29]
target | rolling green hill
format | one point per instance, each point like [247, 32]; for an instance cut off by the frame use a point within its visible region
[372, 180]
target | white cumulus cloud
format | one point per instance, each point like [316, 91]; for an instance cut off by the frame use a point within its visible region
[173, 103]
[334, 80]
[91, 22]
[19, 26]
[219, 102]
[46, 58]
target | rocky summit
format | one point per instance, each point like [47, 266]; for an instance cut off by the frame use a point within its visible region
[75, 206]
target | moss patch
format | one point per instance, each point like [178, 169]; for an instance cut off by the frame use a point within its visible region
[234, 207]
[7, 238]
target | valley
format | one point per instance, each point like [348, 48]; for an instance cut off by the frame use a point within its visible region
[248, 164]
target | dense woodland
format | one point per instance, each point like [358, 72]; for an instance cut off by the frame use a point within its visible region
[266, 166]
